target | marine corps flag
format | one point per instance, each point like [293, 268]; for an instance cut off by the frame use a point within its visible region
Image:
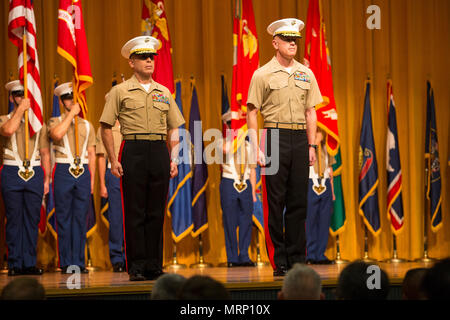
[317, 58]
[432, 161]
[245, 62]
[368, 174]
[72, 45]
[154, 23]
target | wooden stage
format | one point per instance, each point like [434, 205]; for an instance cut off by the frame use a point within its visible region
[244, 283]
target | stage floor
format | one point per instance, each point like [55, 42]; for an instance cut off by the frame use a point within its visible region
[106, 284]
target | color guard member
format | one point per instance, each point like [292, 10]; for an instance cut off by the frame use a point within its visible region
[320, 203]
[110, 189]
[23, 183]
[237, 194]
[73, 178]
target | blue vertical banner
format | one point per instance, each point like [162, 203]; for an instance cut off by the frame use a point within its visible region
[200, 170]
[368, 175]
[179, 206]
[432, 161]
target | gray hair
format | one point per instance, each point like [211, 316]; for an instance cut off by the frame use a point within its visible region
[302, 283]
[167, 286]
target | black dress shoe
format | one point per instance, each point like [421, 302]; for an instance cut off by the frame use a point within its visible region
[310, 261]
[83, 270]
[137, 277]
[153, 275]
[280, 271]
[247, 264]
[232, 264]
[325, 262]
[33, 271]
[14, 272]
[118, 267]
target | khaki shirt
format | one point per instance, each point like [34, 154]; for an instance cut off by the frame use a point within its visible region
[140, 111]
[282, 97]
[71, 135]
[324, 156]
[117, 137]
[20, 139]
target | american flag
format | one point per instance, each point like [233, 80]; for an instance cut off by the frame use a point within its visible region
[21, 21]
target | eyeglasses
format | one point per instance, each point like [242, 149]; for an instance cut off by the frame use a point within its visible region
[289, 39]
[17, 94]
[144, 56]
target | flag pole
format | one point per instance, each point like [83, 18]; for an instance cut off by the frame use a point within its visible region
[259, 262]
[27, 174]
[425, 258]
[366, 257]
[77, 161]
[201, 264]
[174, 264]
[338, 259]
[395, 258]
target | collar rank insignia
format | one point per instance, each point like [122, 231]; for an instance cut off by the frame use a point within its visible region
[159, 97]
[302, 76]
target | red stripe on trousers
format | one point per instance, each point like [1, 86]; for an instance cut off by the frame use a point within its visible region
[123, 208]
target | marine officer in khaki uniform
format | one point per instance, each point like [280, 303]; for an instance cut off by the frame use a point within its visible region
[73, 178]
[22, 192]
[285, 92]
[110, 189]
[148, 117]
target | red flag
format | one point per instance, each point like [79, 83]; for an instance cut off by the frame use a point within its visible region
[317, 58]
[72, 45]
[154, 23]
[21, 21]
[246, 61]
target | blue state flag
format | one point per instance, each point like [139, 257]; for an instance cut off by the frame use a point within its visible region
[51, 220]
[258, 212]
[200, 170]
[91, 220]
[394, 171]
[179, 206]
[433, 192]
[368, 176]
[104, 202]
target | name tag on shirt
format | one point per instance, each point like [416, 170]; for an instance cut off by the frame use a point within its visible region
[302, 76]
[159, 97]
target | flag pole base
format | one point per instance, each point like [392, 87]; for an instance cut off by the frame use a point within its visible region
[395, 260]
[367, 259]
[426, 259]
[175, 266]
[90, 267]
[201, 264]
[340, 261]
